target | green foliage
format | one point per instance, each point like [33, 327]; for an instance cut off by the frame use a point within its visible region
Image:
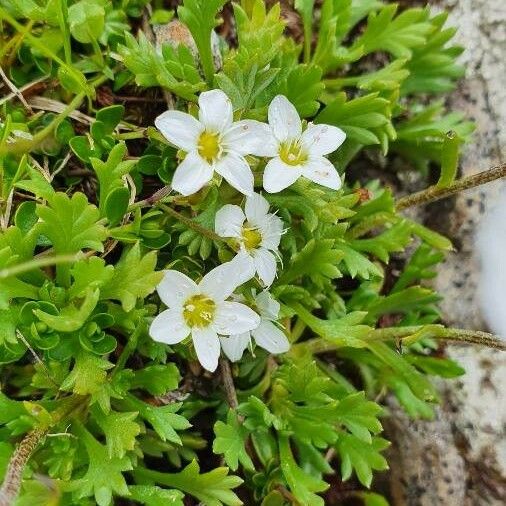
[89, 223]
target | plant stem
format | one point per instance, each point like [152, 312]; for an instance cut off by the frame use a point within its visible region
[153, 199]
[17, 463]
[14, 475]
[228, 383]
[192, 224]
[318, 345]
[25, 146]
[434, 193]
[36, 263]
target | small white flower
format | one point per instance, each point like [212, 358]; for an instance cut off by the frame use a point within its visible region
[267, 335]
[213, 143]
[297, 153]
[258, 233]
[202, 311]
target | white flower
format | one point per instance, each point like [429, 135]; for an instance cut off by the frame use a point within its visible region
[213, 143]
[267, 335]
[297, 153]
[258, 233]
[202, 311]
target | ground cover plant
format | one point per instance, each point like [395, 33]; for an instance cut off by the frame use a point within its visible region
[205, 296]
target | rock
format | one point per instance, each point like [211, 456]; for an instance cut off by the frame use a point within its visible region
[460, 458]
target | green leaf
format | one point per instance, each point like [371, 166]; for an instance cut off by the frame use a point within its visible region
[316, 259]
[213, 488]
[434, 67]
[392, 240]
[449, 159]
[359, 416]
[71, 223]
[116, 204]
[157, 379]
[164, 419]
[302, 484]
[10, 286]
[88, 375]
[86, 20]
[104, 476]
[120, 432]
[175, 70]
[156, 496]
[346, 331]
[396, 35]
[230, 441]
[199, 16]
[110, 117]
[113, 196]
[366, 119]
[134, 277]
[90, 273]
[70, 318]
[361, 456]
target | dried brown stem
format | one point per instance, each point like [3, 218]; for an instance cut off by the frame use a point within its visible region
[434, 193]
[228, 383]
[17, 463]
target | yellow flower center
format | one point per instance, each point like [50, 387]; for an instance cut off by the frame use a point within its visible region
[198, 311]
[292, 153]
[251, 238]
[209, 146]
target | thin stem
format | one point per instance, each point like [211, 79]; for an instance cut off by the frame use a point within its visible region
[228, 383]
[36, 263]
[434, 193]
[318, 345]
[24, 146]
[17, 463]
[129, 348]
[14, 475]
[153, 199]
[192, 224]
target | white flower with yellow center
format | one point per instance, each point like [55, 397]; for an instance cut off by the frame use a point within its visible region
[267, 335]
[296, 153]
[258, 233]
[202, 311]
[213, 142]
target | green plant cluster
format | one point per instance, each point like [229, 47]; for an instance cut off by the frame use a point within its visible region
[85, 237]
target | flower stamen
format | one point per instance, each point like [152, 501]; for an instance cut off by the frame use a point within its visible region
[251, 238]
[209, 146]
[198, 311]
[291, 153]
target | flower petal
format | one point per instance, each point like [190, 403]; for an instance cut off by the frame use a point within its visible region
[236, 171]
[270, 338]
[250, 137]
[256, 209]
[215, 110]
[234, 318]
[321, 171]
[229, 220]
[265, 264]
[169, 327]
[207, 347]
[284, 119]
[219, 283]
[191, 175]
[278, 175]
[175, 287]
[234, 346]
[268, 307]
[322, 139]
[179, 128]
[243, 267]
[271, 230]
